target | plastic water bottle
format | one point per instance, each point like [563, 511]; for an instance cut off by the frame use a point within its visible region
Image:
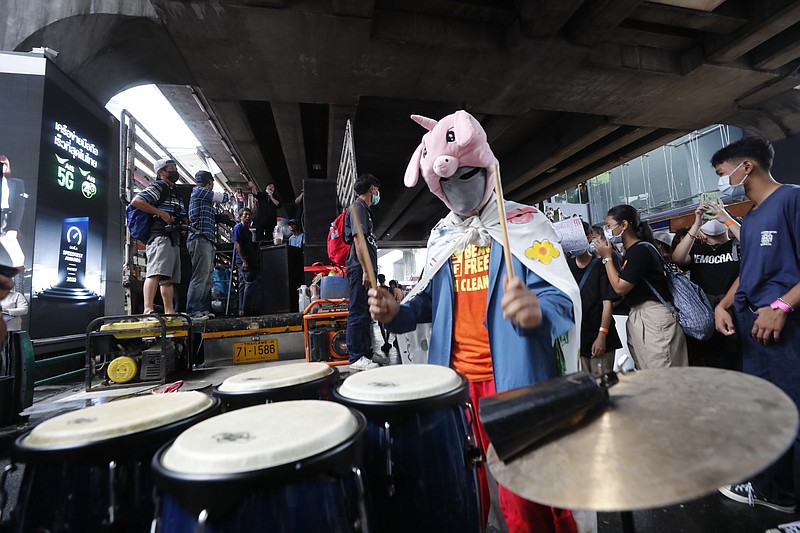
[277, 235]
[302, 299]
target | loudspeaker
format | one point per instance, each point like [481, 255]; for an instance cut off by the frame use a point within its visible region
[320, 207]
[281, 275]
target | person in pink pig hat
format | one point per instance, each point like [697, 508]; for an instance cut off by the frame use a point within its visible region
[502, 334]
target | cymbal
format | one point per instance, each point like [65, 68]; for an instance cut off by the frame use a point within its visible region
[670, 435]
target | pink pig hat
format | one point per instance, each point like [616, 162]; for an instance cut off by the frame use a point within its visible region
[455, 141]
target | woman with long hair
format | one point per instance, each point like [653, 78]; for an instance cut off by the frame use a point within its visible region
[654, 337]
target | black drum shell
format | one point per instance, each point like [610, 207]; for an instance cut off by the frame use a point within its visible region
[217, 493]
[309, 390]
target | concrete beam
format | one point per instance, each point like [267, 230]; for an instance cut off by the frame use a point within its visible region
[290, 133]
[646, 144]
[636, 58]
[778, 51]
[769, 19]
[594, 20]
[689, 19]
[561, 139]
[617, 142]
[544, 18]
[235, 126]
[353, 8]
[421, 28]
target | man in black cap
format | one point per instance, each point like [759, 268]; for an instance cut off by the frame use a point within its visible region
[201, 243]
[298, 238]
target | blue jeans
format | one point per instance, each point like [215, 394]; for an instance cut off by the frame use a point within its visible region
[359, 339]
[202, 252]
[249, 291]
[778, 363]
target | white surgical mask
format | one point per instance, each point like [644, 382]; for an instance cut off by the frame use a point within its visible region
[725, 187]
[613, 239]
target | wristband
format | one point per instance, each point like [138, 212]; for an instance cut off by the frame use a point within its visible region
[729, 223]
[783, 306]
[604, 330]
[690, 235]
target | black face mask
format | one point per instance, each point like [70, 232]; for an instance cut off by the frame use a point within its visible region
[173, 176]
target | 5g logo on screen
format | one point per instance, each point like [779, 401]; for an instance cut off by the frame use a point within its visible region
[66, 177]
[66, 173]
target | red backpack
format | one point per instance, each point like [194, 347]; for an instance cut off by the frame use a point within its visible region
[337, 247]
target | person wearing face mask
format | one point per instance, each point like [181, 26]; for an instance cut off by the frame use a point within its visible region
[599, 337]
[655, 339]
[359, 324]
[500, 333]
[713, 263]
[163, 245]
[267, 211]
[764, 300]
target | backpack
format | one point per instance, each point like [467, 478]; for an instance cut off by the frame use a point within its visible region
[695, 315]
[338, 249]
[140, 223]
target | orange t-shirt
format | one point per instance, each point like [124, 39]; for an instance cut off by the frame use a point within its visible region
[470, 352]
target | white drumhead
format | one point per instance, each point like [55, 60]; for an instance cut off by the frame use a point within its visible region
[400, 383]
[116, 419]
[275, 377]
[260, 437]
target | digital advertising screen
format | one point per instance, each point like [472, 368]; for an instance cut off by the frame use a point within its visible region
[68, 281]
[22, 80]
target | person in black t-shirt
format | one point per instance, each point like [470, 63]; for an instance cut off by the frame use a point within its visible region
[267, 210]
[655, 339]
[599, 338]
[713, 264]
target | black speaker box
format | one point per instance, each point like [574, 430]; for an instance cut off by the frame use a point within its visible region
[319, 209]
[281, 275]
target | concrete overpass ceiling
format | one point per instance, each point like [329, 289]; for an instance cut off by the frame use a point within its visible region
[564, 89]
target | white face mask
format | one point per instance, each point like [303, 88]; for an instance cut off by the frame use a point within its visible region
[613, 239]
[725, 187]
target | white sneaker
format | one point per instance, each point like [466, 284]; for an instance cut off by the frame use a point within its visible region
[791, 527]
[363, 364]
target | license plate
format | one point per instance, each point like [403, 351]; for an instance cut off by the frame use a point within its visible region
[250, 351]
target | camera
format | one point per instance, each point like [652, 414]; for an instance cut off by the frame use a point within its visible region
[178, 227]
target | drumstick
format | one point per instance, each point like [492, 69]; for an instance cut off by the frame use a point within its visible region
[501, 211]
[362, 244]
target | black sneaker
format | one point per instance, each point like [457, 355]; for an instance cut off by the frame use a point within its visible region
[746, 493]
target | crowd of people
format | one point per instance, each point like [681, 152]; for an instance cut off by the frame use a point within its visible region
[199, 221]
[554, 311]
[748, 269]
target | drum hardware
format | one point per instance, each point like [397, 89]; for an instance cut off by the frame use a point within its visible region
[685, 411]
[387, 435]
[363, 524]
[473, 454]
[202, 518]
[112, 495]
[3, 494]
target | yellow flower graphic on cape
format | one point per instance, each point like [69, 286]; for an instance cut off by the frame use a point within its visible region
[543, 251]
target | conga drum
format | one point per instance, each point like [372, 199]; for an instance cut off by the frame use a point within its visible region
[89, 470]
[297, 381]
[291, 466]
[421, 455]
